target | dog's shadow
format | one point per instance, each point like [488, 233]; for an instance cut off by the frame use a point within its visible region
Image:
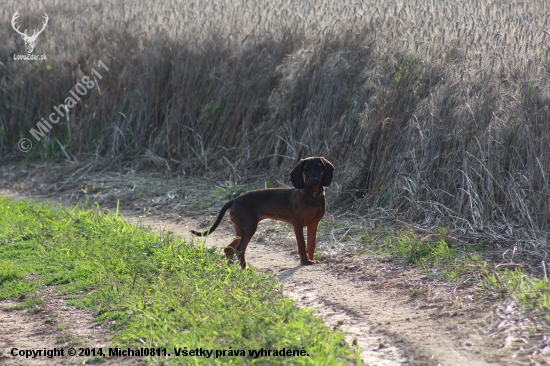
[287, 273]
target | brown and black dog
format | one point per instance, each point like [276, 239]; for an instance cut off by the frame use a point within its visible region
[301, 206]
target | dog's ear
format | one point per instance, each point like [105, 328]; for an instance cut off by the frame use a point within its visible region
[328, 173]
[296, 176]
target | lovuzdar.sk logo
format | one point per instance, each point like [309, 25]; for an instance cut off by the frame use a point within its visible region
[30, 41]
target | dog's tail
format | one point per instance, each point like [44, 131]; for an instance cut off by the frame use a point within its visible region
[217, 223]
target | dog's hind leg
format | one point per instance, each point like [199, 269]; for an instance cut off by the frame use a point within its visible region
[246, 235]
[231, 248]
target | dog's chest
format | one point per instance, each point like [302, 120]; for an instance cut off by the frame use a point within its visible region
[315, 210]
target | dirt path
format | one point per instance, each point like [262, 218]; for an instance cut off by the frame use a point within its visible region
[389, 328]
[52, 326]
[366, 299]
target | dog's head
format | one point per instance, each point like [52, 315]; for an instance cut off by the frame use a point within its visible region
[311, 172]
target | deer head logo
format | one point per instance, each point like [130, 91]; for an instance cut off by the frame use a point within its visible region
[29, 40]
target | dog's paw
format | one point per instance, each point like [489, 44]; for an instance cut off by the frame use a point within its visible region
[314, 261]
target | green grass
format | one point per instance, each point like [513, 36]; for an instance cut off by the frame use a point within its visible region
[220, 195]
[532, 292]
[420, 252]
[452, 261]
[154, 291]
[455, 261]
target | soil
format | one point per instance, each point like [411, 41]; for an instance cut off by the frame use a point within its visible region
[53, 325]
[395, 313]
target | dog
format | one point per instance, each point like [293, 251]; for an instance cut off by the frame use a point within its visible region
[303, 205]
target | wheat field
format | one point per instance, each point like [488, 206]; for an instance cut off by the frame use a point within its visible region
[434, 111]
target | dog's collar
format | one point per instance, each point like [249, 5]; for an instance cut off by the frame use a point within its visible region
[316, 194]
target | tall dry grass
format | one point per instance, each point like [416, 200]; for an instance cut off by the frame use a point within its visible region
[437, 110]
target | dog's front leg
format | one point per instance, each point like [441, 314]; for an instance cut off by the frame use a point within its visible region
[301, 243]
[311, 240]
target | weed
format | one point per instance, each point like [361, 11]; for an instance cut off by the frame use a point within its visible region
[214, 112]
[365, 237]
[385, 196]
[399, 74]
[416, 292]
[416, 251]
[411, 59]
[228, 193]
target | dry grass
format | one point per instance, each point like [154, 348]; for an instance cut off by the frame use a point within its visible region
[436, 110]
